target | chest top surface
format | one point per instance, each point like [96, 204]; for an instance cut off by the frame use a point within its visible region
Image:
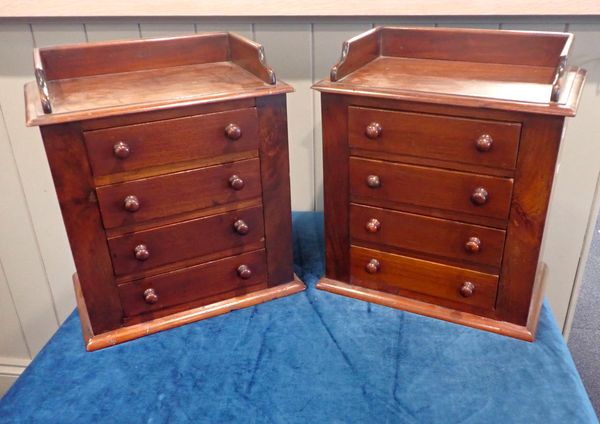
[87, 81]
[509, 70]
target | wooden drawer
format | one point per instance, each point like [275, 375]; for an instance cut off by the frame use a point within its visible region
[139, 251]
[429, 187]
[404, 275]
[180, 192]
[471, 244]
[472, 141]
[170, 141]
[190, 284]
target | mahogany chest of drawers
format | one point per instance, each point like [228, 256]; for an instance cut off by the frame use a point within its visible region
[439, 152]
[170, 162]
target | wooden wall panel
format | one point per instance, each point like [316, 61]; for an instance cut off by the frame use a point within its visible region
[290, 55]
[242, 28]
[166, 29]
[104, 31]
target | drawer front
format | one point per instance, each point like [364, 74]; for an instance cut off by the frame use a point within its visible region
[471, 141]
[399, 274]
[430, 187]
[180, 192]
[135, 252]
[139, 146]
[431, 236]
[194, 283]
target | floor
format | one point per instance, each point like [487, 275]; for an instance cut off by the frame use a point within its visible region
[584, 340]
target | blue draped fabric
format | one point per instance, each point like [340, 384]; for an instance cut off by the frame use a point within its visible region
[310, 358]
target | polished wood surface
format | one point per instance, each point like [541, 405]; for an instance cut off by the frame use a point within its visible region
[197, 282]
[121, 335]
[435, 136]
[446, 190]
[120, 77]
[397, 274]
[428, 236]
[442, 150]
[187, 240]
[180, 192]
[190, 137]
[171, 167]
[457, 66]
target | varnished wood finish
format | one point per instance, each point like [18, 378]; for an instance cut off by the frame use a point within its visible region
[197, 282]
[399, 274]
[187, 240]
[79, 207]
[121, 335]
[425, 235]
[448, 147]
[191, 137]
[433, 136]
[429, 187]
[275, 181]
[180, 192]
[160, 165]
[427, 309]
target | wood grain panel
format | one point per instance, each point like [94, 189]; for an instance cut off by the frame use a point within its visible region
[402, 273]
[327, 45]
[427, 235]
[186, 240]
[434, 136]
[201, 281]
[201, 136]
[294, 68]
[440, 189]
[179, 192]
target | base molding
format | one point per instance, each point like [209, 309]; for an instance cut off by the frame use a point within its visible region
[124, 334]
[10, 370]
[427, 309]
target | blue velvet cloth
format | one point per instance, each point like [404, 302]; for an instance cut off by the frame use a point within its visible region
[310, 358]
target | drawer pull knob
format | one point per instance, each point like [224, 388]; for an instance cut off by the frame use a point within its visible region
[150, 296]
[373, 130]
[479, 196]
[240, 227]
[236, 183]
[141, 252]
[373, 181]
[131, 203]
[473, 245]
[233, 131]
[484, 143]
[244, 272]
[121, 150]
[467, 289]
[372, 266]
[373, 225]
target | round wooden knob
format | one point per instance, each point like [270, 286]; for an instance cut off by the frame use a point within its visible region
[372, 266]
[240, 227]
[236, 182]
[233, 131]
[141, 252]
[484, 143]
[244, 272]
[473, 245]
[373, 225]
[131, 203]
[121, 150]
[373, 181]
[373, 130]
[150, 296]
[479, 196]
[467, 289]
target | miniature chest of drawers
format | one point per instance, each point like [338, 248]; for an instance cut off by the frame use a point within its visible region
[439, 152]
[170, 161]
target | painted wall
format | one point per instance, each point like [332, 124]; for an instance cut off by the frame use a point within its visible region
[35, 260]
